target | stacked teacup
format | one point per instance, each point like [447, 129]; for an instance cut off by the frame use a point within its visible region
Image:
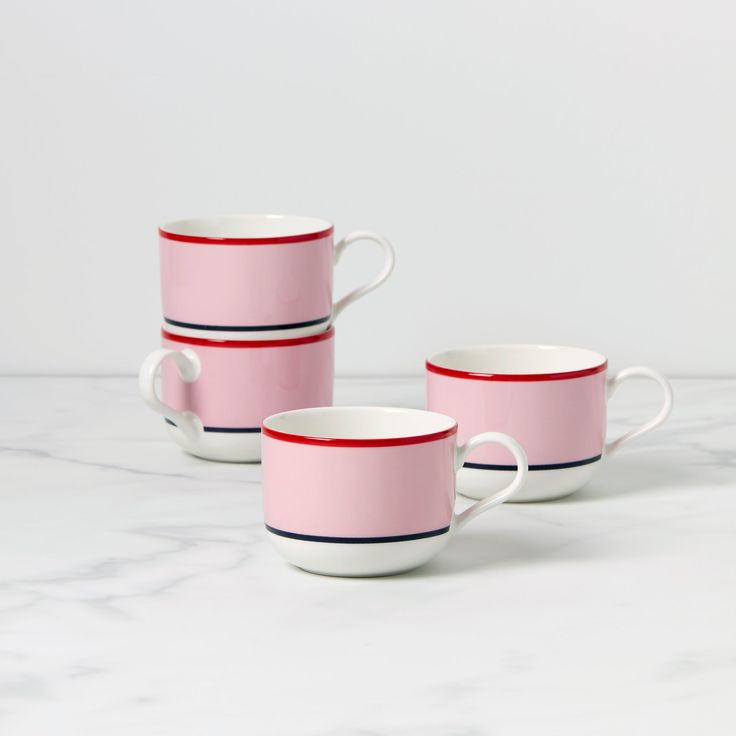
[248, 326]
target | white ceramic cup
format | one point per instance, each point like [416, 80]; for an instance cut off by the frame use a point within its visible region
[216, 393]
[551, 399]
[361, 491]
[256, 277]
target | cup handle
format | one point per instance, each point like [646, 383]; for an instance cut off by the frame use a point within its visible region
[639, 372]
[361, 291]
[189, 367]
[522, 470]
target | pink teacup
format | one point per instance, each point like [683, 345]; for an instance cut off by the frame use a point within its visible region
[217, 393]
[360, 491]
[259, 277]
[552, 399]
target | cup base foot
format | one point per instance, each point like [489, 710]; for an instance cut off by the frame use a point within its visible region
[212, 333]
[373, 559]
[223, 447]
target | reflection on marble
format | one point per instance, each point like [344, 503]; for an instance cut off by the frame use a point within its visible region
[138, 594]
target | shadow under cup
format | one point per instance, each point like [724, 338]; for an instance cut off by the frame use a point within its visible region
[552, 400]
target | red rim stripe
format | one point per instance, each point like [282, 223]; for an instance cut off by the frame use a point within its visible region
[520, 377]
[302, 439]
[303, 238]
[208, 342]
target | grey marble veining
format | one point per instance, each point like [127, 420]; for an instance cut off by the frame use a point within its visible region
[138, 593]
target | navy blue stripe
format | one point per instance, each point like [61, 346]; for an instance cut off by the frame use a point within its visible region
[550, 466]
[226, 430]
[358, 540]
[249, 328]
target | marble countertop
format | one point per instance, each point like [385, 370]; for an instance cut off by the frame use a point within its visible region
[139, 595]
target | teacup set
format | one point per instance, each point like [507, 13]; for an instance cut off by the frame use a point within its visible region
[248, 326]
[247, 364]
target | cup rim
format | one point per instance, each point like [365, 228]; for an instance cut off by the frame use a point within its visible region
[435, 364]
[322, 440]
[186, 231]
[212, 342]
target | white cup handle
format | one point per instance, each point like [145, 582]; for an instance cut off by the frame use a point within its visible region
[361, 291]
[522, 470]
[639, 372]
[189, 367]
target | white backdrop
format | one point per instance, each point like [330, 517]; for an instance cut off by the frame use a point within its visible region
[558, 172]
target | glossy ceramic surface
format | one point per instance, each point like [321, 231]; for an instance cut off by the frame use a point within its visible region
[255, 276]
[216, 394]
[366, 490]
[551, 399]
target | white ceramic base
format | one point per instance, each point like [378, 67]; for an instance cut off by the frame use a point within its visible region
[225, 447]
[541, 485]
[249, 334]
[358, 560]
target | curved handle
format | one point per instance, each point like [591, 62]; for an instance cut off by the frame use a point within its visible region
[639, 372]
[388, 266]
[522, 470]
[189, 367]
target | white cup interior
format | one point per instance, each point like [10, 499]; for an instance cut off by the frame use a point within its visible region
[359, 422]
[518, 359]
[247, 226]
